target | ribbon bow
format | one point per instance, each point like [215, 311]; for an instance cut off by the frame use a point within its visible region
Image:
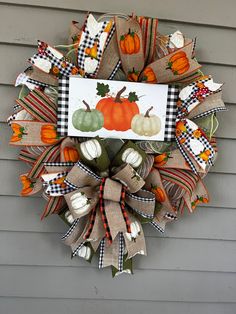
[108, 205]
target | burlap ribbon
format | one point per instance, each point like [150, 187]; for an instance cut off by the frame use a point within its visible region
[107, 202]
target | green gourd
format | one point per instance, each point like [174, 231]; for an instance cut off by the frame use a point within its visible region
[87, 120]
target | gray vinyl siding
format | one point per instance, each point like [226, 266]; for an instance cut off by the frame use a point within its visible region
[189, 270]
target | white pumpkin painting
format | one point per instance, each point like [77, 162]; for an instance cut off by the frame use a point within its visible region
[116, 109]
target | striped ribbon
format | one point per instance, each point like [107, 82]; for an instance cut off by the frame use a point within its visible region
[39, 106]
[51, 153]
[149, 31]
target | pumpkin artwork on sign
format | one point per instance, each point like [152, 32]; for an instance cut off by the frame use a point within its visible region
[130, 43]
[87, 120]
[108, 152]
[146, 124]
[118, 111]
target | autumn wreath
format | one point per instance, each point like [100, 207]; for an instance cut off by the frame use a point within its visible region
[105, 189]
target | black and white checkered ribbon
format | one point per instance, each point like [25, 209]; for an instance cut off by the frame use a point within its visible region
[93, 37]
[53, 58]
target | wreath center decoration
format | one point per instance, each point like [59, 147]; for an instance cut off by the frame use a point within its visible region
[105, 187]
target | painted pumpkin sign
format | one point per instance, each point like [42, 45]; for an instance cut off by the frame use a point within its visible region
[124, 110]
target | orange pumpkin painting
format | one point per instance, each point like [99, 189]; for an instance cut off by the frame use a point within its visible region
[49, 134]
[118, 111]
[179, 63]
[133, 75]
[148, 76]
[70, 154]
[159, 193]
[161, 160]
[28, 185]
[130, 43]
[18, 132]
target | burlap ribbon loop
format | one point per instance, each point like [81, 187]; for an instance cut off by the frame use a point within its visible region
[132, 44]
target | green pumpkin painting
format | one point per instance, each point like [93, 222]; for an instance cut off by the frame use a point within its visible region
[87, 120]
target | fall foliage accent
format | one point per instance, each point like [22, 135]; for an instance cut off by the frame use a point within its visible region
[149, 76]
[179, 63]
[199, 200]
[49, 134]
[205, 155]
[180, 127]
[197, 133]
[70, 154]
[117, 111]
[93, 51]
[130, 43]
[28, 185]
[18, 132]
[55, 70]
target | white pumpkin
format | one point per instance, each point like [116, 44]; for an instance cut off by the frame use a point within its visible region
[91, 149]
[90, 64]
[23, 115]
[69, 217]
[80, 203]
[85, 252]
[212, 85]
[145, 124]
[132, 157]
[135, 231]
[186, 92]
[55, 52]
[42, 64]
[176, 40]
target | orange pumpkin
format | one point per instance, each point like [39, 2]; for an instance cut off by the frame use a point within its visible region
[61, 182]
[149, 76]
[70, 154]
[130, 43]
[204, 156]
[159, 193]
[161, 160]
[18, 132]
[117, 111]
[133, 75]
[28, 185]
[49, 134]
[179, 63]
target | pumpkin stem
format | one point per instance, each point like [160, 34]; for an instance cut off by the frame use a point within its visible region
[147, 112]
[87, 106]
[117, 99]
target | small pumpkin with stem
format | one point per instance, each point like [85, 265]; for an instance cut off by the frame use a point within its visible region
[87, 120]
[146, 124]
[130, 43]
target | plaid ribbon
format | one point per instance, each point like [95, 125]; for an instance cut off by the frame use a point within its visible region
[92, 44]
